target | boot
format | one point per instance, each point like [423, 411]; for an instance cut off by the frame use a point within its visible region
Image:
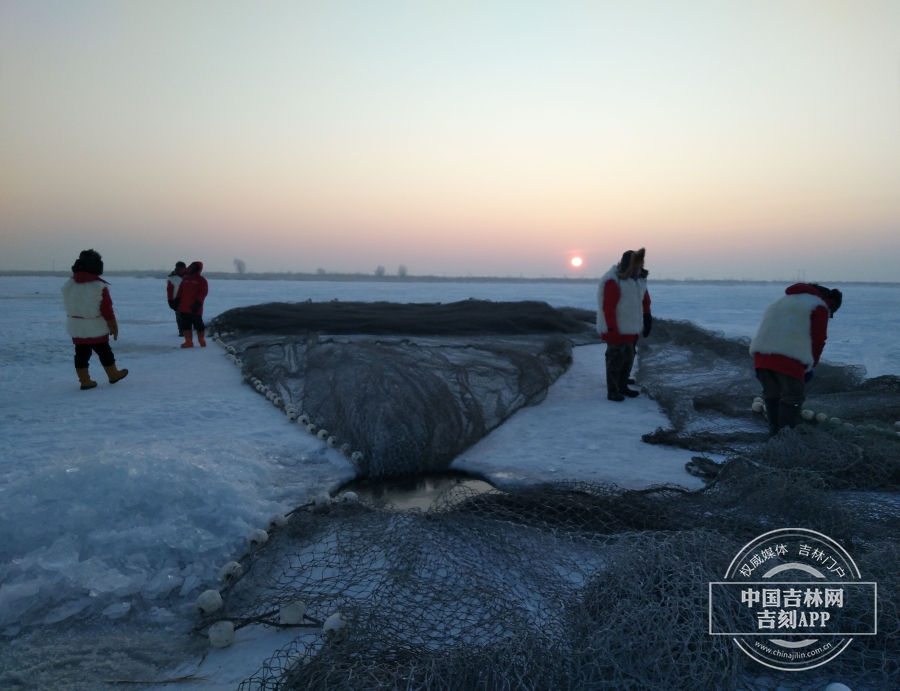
[773, 405]
[788, 416]
[85, 379]
[623, 387]
[612, 390]
[201, 339]
[115, 374]
[188, 339]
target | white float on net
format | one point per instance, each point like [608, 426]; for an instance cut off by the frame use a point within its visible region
[231, 572]
[257, 538]
[292, 613]
[221, 634]
[208, 602]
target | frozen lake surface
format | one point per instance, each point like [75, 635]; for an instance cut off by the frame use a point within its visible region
[118, 505]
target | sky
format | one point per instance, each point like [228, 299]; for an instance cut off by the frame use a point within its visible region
[732, 139]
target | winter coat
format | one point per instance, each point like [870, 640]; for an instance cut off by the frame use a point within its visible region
[192, 291]
[172, 283]
[88, 308]
[621, 306]
[793, 331]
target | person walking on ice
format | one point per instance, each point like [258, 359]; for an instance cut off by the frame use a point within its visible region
[623, 313]
[190, 296]
[90, 318]
[172, 283]
[787, 347]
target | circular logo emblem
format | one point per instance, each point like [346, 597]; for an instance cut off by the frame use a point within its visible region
[793, 599]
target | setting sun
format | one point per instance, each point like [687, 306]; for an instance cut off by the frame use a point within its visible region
[576, 261]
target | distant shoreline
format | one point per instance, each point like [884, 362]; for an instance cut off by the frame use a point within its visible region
[369, 278]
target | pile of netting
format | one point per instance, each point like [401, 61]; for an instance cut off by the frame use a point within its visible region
[705, 383]
[567, 585]
[407, 388]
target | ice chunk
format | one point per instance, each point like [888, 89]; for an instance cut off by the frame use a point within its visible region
[163, 583]
[66, 610]
[117, 610]
[93, 575]
[17, 598]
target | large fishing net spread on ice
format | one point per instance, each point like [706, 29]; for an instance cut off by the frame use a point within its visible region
[564, 585]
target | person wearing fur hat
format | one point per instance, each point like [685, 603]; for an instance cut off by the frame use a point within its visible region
[787, 347]
[172, 283]
[623, 313]
[190, 296]
[90, 318]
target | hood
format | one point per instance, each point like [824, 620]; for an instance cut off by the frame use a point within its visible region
[806, 288]
[86, 277]
[195, 268]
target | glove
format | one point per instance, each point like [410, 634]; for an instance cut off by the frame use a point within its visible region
[648, 324]
[173, 304]
[195, 307]
[809, 375]
[113, 328]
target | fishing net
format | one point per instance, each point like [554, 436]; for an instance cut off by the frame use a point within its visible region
[413, 401]
[577, 585]
[705, 383]
[560, 586]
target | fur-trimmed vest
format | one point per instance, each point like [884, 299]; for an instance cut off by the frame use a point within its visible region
[82, 301]
[629, 308]
[785, 328]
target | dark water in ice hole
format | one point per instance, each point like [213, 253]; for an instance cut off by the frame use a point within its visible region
[417, 492]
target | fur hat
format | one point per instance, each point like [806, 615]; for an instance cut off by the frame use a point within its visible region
[631, 260]
[89, 261]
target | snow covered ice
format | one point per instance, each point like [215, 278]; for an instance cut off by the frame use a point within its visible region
[118, 506]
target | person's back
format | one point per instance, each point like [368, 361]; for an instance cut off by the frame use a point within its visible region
[173, 282]
[787, 347]
[190, 298]
[90, 319]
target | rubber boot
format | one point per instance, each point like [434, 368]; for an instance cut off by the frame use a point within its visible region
[201, 339]
[85, 379]
[188, 339]
[612, 390]
[773, 406]
[115, 374]
[623, 387]
[788, 416]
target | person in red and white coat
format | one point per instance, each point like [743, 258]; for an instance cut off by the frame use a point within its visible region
[787, 347]
[172, 282]
[189, 303]
[623, 313]
[90, 318]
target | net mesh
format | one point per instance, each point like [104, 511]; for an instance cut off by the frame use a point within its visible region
[413, 401]
[705, 383]
[586, 586]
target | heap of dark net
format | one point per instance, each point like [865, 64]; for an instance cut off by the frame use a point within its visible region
[567, 585]
[587, 586]
[410, 387]
[705, 383]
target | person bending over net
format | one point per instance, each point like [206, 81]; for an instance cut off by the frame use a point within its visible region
[787, 347]
[623, 313]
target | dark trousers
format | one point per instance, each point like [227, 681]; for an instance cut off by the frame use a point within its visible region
[781, 387]
[619, 361]
[187, 321]
[783, 395]
[83, 354]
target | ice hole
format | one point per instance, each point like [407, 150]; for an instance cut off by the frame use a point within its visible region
[413, 491]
